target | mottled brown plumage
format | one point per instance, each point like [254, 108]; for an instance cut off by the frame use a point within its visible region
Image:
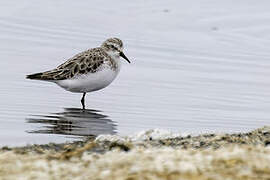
[85, 62]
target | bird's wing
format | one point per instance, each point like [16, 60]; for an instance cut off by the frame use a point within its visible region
[86, 62]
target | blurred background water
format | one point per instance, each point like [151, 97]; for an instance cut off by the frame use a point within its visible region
[197, 66]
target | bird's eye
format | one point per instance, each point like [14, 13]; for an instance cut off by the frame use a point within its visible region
[113, 47]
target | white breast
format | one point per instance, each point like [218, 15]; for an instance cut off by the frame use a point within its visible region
[91, 81]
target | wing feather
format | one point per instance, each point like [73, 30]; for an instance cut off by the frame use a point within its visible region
[88, 61]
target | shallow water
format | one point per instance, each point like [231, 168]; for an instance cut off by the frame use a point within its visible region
[197, 66]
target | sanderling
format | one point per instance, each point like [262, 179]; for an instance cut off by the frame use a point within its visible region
[87, 71]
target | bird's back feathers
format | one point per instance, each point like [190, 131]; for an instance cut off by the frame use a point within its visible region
[86, 62]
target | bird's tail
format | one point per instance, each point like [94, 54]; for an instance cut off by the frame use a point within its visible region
[36, 76]
[52, 75]
[44, 76]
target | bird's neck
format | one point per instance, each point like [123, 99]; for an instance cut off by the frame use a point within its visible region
[116, 60]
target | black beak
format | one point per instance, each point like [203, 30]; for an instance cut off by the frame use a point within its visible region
[124, 56]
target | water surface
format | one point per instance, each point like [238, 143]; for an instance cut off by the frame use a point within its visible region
[197, 66]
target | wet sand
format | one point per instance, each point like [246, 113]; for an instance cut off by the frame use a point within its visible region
[153, 154]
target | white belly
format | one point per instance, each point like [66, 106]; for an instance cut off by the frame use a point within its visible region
[89, 82]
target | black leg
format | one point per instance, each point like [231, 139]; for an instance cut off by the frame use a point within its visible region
[82, 101]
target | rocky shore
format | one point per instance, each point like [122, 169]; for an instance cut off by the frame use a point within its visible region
[153, 154]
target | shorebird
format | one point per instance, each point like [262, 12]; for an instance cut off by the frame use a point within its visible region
[88, 71]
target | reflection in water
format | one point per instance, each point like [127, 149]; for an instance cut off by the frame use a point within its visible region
[73, 121]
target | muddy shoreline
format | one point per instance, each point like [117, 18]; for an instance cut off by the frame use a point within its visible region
[147, 155]
[105, 143]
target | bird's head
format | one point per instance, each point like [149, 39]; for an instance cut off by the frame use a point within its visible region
[114, 47]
